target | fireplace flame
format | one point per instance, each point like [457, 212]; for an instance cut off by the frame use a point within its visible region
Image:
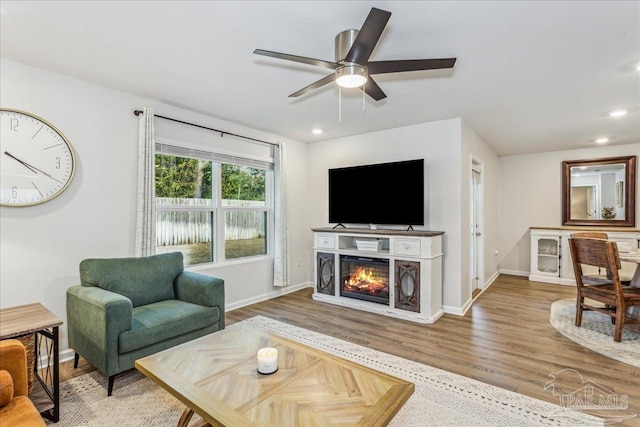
[362, 280]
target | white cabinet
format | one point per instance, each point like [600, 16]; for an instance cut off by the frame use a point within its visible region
[545, 255]
[551, 256]
[397, 273]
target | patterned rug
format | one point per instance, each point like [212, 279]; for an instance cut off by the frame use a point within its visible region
[441, 398]
[596, 332]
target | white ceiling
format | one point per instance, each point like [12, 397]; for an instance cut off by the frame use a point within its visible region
[531, 76]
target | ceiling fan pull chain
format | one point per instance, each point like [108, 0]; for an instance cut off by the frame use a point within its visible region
[363, 103]
[339, 104]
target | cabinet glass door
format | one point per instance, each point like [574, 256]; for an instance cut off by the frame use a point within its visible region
[548, 261]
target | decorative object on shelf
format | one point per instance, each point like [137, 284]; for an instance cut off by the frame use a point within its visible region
[608, 212]
[37, 161]
[369, 245]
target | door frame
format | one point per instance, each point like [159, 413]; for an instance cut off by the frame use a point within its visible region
[476, 209]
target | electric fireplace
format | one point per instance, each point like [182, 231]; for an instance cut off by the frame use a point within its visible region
[365, 278]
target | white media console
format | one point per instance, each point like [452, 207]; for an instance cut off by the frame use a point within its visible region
[408, 264]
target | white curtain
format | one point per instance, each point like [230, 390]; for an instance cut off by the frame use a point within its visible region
[281, 263]
[146, 210]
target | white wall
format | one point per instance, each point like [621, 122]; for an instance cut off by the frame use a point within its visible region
[41, 246]
[531, 195]
[475, 149]
[440, 144]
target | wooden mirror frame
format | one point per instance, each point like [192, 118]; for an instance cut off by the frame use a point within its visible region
[629, 192]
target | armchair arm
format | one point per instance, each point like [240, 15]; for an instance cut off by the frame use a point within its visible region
[201, 289]
[95, 319]
[13, 359]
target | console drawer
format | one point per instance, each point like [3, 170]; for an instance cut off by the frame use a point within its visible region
[325, 241]
[409, 247]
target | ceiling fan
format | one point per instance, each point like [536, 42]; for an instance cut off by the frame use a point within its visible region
[352, 66]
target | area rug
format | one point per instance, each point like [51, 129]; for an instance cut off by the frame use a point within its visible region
[441, 398]
[596, 332]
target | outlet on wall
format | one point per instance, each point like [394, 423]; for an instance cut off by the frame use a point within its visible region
[298, 262]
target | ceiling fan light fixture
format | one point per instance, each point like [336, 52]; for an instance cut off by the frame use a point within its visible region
[351, 76]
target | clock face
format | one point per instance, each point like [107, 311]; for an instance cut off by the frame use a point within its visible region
[36, 160]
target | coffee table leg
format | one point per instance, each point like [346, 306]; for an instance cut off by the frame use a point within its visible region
[185, 418]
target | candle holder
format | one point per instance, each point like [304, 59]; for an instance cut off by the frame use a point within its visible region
[267, 360]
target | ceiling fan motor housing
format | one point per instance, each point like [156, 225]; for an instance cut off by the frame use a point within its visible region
[344, 41]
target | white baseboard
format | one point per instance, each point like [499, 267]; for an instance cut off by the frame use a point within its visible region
[458, 311]
[490, 281]
[66, 355]
[279, 292]
[514, 272]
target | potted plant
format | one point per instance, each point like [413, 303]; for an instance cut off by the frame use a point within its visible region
[608, 212]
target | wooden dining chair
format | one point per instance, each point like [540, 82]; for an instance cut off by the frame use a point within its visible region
[616, 297]
[591, 235]
[599, 279]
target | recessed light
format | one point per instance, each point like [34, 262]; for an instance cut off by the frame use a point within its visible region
[638, 67]
[316, 131]
[602, 140]
[618, 113]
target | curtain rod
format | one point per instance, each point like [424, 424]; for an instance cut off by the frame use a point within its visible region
[221, 132]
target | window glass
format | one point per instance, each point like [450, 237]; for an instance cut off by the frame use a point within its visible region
[188, 207]
[189, 232]
[183, 181]
[245, 233]
[242, 186]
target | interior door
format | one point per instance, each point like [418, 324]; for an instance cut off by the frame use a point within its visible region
[476, 227]
[584, 202]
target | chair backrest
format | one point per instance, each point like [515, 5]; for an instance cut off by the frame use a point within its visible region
[143, 280]
[591, 235]
[597, 253]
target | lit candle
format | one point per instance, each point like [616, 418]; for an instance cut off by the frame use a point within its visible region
[267, 360]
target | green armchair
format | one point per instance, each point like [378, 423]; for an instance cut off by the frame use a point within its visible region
[128, 308]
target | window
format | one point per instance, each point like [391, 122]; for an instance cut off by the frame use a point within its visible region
[211, 207]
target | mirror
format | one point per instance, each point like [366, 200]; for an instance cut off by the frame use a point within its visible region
[599, 192]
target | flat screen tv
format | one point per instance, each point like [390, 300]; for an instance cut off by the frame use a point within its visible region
[383, 193]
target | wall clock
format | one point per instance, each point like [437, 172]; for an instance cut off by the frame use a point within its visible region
[37, 162]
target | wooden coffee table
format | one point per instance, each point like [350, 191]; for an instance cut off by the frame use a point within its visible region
[216, 377]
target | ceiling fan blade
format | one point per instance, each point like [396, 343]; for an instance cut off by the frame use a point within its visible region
[295, 58]
[373, 90]
[316, 85]
[382, 67]
[368, 36]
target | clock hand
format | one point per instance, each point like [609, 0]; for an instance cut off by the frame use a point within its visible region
[33, 168]
[21, 162]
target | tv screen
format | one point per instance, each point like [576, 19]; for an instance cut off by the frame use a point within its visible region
[384, 193]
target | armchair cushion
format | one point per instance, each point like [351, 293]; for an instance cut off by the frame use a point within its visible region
[163, 320]
[144, 280]
[6, 388]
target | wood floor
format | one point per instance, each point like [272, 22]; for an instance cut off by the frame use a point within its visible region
[505, 339]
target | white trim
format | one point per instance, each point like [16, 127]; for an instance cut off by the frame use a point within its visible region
[514, 272]
[458, 311]
[264, 297]
[187, 145]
